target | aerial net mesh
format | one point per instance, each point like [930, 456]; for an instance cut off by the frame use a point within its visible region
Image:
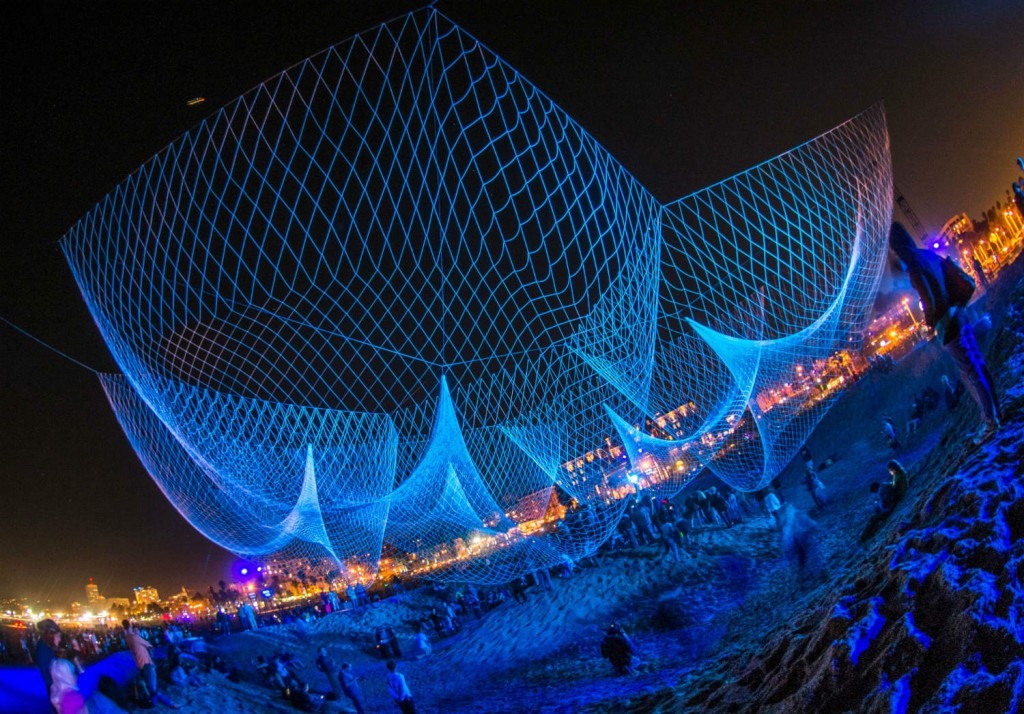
[394, 308]
[768, 281]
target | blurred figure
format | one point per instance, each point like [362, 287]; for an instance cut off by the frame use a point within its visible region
[772, 505]
[815, 487]
[423, 641]
[399, 689]
[247, 615]
[945, 290]
[670, 541]
[326, 665]
[800, 540]
[350, 687]
[1018, 188]
[889, 431]
[950, 393]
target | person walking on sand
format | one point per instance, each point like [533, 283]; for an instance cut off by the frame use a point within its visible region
[399, 689]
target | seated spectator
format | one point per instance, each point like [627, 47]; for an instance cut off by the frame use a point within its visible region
[889, 494]
[618, 649]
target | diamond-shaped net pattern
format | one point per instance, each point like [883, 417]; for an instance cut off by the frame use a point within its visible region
[394, 300]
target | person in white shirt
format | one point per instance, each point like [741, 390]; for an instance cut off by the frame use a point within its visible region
[399, 690]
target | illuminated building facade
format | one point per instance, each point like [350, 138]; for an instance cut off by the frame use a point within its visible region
[379, 303]
[145, 595]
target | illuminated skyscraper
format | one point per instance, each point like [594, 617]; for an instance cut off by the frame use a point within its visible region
[92, 592]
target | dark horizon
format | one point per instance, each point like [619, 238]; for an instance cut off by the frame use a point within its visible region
[681, 98]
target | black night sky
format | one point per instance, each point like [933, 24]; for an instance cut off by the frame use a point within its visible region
[682, 94]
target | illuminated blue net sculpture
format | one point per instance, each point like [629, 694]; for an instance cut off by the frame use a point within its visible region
[394, 300]
[763, 317]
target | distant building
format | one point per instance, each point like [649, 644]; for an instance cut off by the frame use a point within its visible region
[145, 595]
[118, 603]
[92, 593]
[955, 227]
[957, 239]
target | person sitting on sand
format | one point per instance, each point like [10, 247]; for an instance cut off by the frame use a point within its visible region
[900, 479]
[888, 495]
[618, 649]
[300, 698]
[182, 668]
[517, 589]
[387, 642]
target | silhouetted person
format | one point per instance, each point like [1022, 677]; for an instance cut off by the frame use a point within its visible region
[888, 495]
[945, 290]
[618, 649]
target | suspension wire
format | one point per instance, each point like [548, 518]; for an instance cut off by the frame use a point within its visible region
[47, 345]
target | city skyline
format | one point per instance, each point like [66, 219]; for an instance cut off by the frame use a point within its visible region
[57, 316]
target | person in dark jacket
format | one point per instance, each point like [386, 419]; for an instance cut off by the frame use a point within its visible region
[940, 284]
[618, 649]
[46, 650]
